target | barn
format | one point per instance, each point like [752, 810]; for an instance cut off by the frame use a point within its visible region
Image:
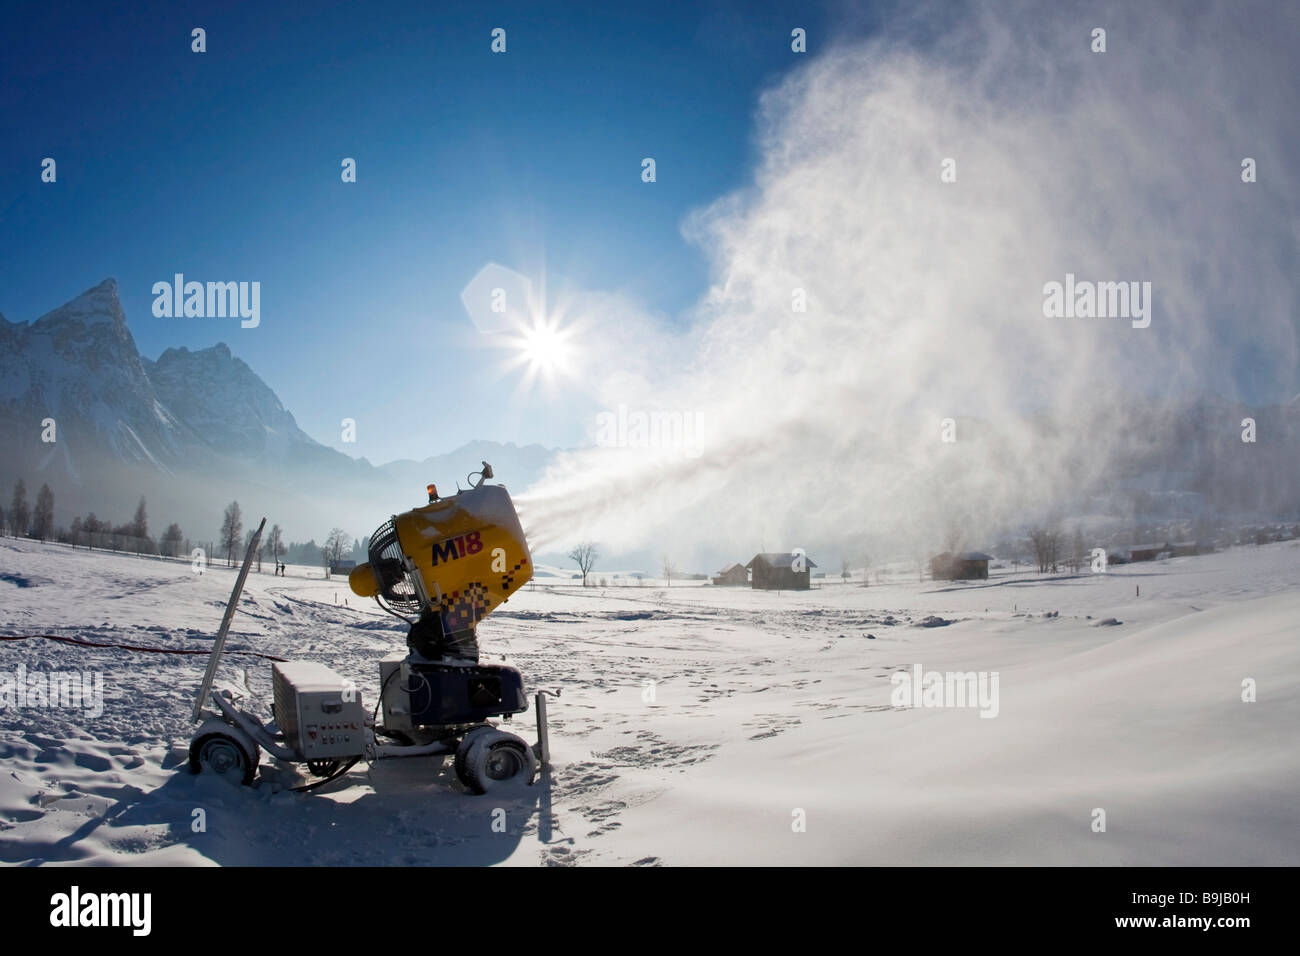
[774, 571]
[963, 566]
[732, 576]
[1176, 549]
[1149, 552]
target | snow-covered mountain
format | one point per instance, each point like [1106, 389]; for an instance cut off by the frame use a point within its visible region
[190, 431]
[79, 365]
[225, 403]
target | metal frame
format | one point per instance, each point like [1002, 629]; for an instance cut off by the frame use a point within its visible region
[373, 749]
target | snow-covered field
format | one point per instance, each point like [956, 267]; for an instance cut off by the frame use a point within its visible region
[697, 724]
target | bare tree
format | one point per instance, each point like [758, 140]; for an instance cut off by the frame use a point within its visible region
[275, 544]
[1047, 546]
[669, 569]
[91, 526]
[584, 555]
[336, 545]
[232, 527]
[845, 573]
[866, 568]
[43, 517]
[1038, 539]
[171, 540]
[140, 523]
[19, 513]
[1078, 550]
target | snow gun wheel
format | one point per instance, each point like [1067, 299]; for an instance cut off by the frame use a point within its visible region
[499, 761]
[323, 768]
[219, 748]
[462, 751]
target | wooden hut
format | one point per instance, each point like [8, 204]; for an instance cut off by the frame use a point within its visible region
[775, 571]
[732, 576]
[963, 566]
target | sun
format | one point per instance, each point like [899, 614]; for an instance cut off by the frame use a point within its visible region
[543, 348]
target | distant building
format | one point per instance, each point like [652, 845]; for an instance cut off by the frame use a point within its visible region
[774, 571]
[964, 566]
[732, 576]
[1177, 549]
[342, 567]
[1147, 552]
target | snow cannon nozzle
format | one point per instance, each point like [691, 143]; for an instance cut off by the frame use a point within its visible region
[456, 558]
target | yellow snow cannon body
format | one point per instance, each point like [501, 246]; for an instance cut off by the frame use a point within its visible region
[458, 557]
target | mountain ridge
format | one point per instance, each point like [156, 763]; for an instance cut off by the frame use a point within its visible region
[192, 423]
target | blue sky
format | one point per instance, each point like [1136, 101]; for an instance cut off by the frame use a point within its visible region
[225, 166]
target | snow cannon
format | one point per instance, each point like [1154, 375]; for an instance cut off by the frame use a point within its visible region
[442, 567]
[450, 562]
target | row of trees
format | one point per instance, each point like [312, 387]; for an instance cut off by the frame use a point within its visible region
[22, 519]
[1047, 544]
[1051, 551]
[273, 547]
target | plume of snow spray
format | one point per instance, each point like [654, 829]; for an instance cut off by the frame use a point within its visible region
[876, 359]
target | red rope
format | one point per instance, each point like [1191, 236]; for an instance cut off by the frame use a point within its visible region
[128, 647]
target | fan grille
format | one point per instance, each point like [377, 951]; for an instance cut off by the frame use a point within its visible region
[396, 589]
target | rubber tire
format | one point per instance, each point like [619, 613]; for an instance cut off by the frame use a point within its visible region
[247, 763]
[463, 748]
[477, 777]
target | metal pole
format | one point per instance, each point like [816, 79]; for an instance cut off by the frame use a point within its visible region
[543, 736]
[206, 687]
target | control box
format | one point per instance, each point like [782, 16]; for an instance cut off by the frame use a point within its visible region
[319, 712]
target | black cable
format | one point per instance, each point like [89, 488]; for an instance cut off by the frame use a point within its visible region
[130, 647]
[334, 776]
